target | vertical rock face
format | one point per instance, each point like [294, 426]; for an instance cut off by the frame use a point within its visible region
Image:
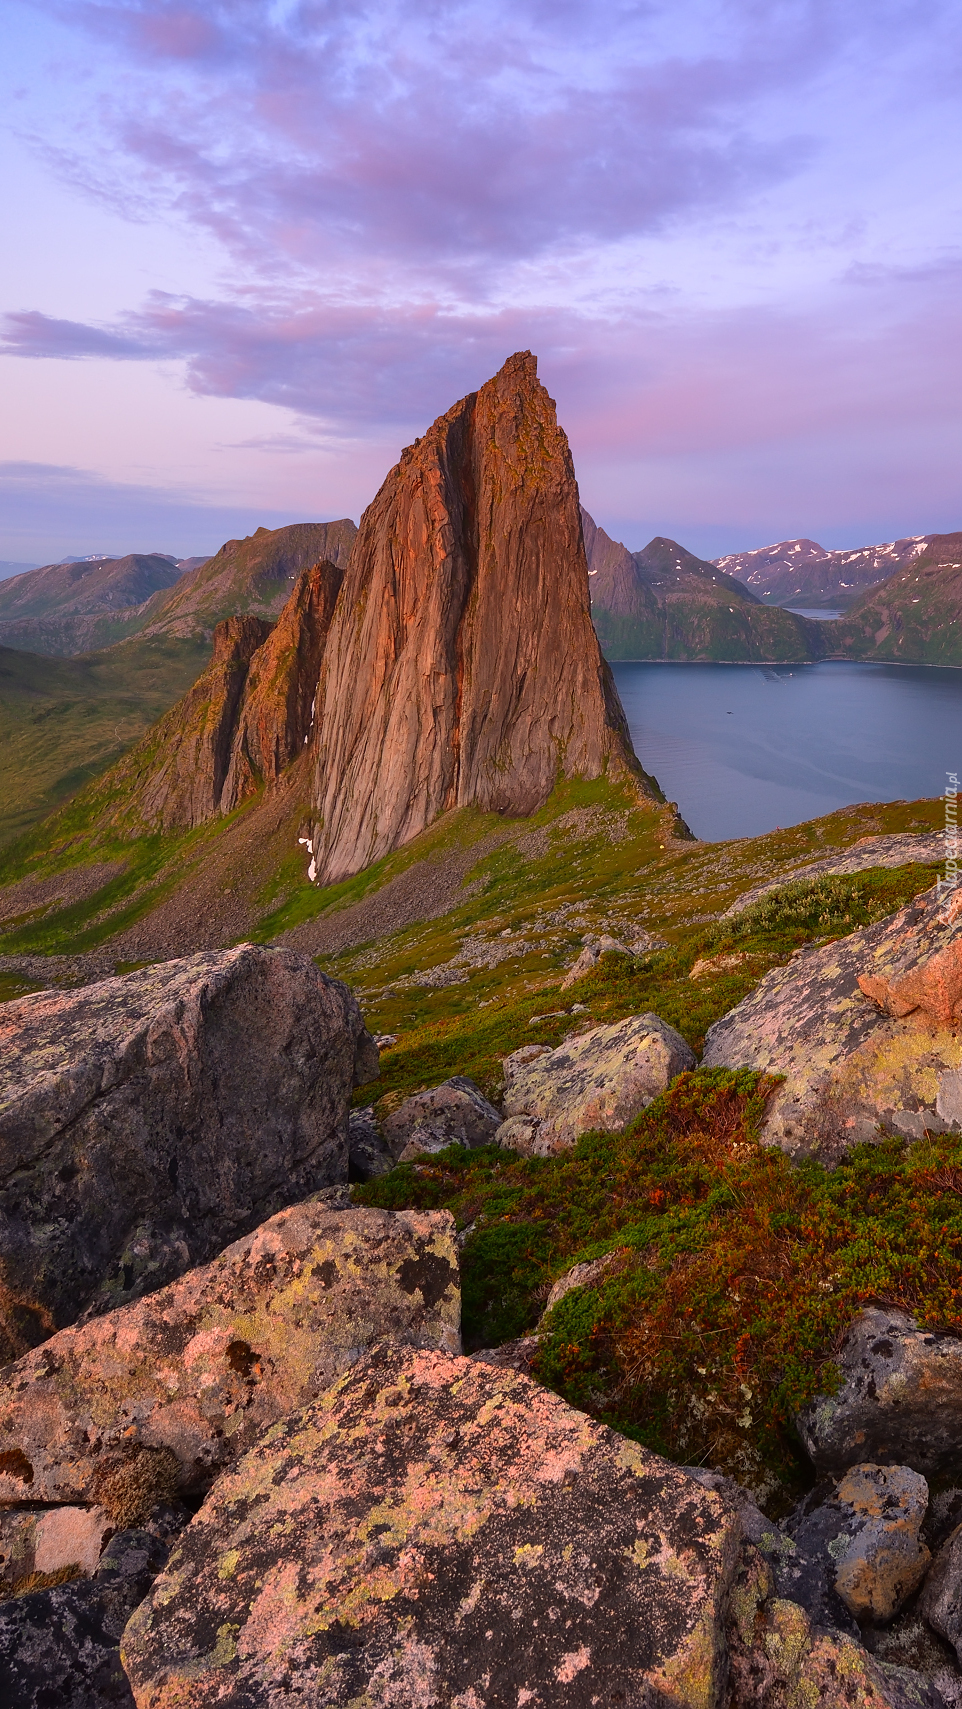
[178, 770]
[245, 718]
[462, 667]
[278, 705]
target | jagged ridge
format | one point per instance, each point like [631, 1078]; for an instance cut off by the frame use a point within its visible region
[462, 667]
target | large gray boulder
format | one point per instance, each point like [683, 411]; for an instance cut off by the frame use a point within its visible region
[899, 1401]
[147, 1120]
[942, 1597]
[865, 1031]
[600, 1079]
[454, 1113]
[439, 1531]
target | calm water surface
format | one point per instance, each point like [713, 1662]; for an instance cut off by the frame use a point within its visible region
[745, 748]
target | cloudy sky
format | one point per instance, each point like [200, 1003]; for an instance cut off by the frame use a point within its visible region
[253, 247]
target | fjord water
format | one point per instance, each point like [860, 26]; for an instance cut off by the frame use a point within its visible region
[744, 749]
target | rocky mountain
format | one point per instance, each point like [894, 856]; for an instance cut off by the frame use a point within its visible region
[915, 616]
[665, 603]
[462, 668]
[186, 600]
[86, 587]
[251, 576]
[241, 723]
[801, 572]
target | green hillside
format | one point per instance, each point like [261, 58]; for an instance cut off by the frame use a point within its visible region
[63, 721]
[915, 617]
[664, 603]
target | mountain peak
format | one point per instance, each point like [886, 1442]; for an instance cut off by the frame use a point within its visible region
[462, 667]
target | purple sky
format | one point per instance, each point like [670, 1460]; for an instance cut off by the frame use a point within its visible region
[252, 248]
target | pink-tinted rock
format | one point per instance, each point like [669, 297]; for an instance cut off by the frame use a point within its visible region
[917, 966]
[202, 1367]
[848, 1065]
[147, 1120]
[437, 1531]
[277, 710]
[462, 667]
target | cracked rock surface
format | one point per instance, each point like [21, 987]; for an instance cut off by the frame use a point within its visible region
[139, 1132]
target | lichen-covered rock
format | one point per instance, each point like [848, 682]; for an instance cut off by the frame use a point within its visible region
[942, 1597]
[899, 1401]
[157, 1397]
[461, 666]
[59, 1648]
[917, 966]
[848, 1066]
[147, 1120]
[454, 1113]
[598, 1080]
[859, 1543]
[438, 1531]
[780, 1658]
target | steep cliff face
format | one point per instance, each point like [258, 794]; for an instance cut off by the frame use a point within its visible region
[278, 704]
[243, 721]
[176, 775]
[462, 666]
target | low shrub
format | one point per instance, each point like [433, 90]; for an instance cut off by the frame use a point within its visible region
[739, 1270]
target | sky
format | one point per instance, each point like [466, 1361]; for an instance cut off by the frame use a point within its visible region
[254, 247]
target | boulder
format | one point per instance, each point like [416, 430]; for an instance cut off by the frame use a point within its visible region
[857, 1549]
[61, 1646]
[369, 1155]
[850, 1065]
[942, 1597]
[899, 1401]
[147, 1120]
[780, 1658]
[155, 1399]
[440, 1531]
[917, 966]
[585, 1275]
[454, 1113]
[47, 1539]
[644, 943]
[599, 1079]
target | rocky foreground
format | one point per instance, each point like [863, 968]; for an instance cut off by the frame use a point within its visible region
[264, 1472]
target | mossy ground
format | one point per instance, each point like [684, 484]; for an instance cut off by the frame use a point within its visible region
[736, 1269]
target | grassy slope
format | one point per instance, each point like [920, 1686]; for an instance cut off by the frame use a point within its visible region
[734, 1270]
[62, 721]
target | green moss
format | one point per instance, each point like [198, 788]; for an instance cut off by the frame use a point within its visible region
[738, 1269]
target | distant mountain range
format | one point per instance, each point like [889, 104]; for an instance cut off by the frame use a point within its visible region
[801, 572]
[85, 605]
[664, 603]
